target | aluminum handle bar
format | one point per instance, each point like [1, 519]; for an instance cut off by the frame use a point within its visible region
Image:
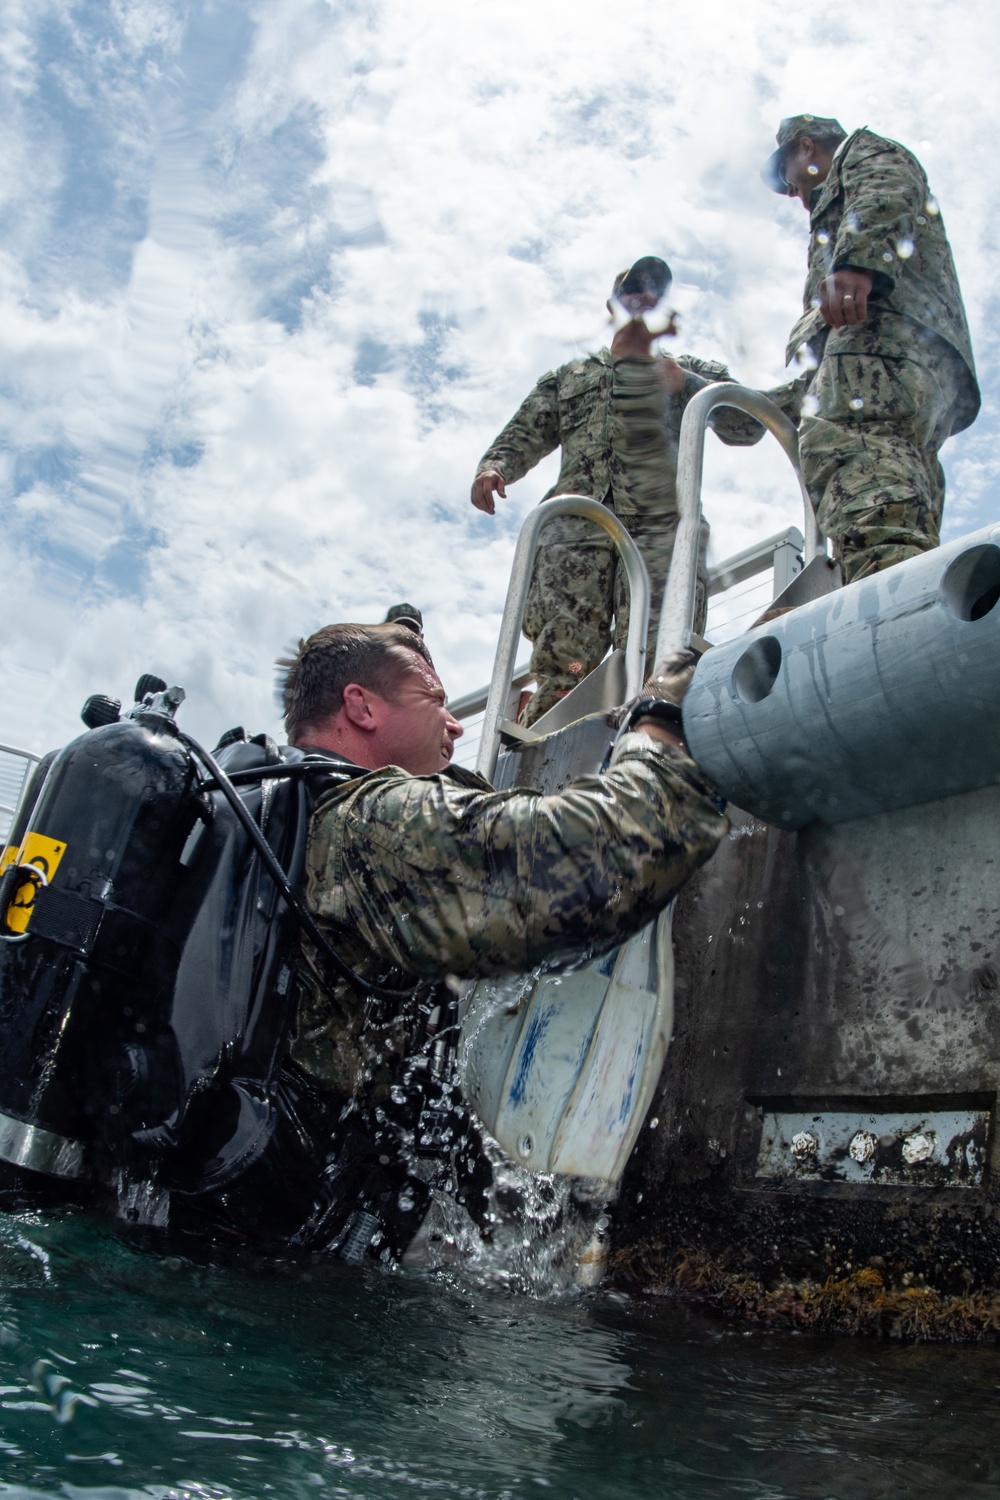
[517, 593]
[680, 594]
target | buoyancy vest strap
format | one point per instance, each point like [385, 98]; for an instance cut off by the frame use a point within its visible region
[305, 919]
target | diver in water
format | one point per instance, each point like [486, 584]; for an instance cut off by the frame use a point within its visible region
[420, 868]
[226, 997]
[419, 872]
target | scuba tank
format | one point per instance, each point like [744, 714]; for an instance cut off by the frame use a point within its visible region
[149, 930]
[99, 832]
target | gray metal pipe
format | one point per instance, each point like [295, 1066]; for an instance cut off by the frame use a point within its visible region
[679, 598]
[517, 593]
[883, 694]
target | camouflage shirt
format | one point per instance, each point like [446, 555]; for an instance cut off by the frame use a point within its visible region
[617, 428]
[429, 876]
[875, 213]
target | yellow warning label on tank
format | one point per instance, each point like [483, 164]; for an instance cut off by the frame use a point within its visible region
[8, 856]
[42, 854]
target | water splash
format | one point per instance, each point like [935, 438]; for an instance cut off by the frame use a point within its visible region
[542, 1236]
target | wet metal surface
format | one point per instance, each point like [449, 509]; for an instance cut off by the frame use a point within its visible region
[936, 1148]
[835, 977]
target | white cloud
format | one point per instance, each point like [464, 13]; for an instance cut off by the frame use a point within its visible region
[274, 279]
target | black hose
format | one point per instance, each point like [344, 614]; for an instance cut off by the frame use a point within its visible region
[289, 768]
[277, 874]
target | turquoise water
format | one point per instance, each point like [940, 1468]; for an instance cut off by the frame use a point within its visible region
[124, 1373]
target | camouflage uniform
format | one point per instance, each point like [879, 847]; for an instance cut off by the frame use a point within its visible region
[886, 393]
[426, 876]
[618, 432]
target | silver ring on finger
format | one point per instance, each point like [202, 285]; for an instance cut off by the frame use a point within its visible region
[848, 297]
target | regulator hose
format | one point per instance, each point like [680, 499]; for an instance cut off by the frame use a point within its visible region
[270, 862]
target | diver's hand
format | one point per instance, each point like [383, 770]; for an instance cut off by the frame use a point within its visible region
[482, 490]
[671, 678]
[667, 683]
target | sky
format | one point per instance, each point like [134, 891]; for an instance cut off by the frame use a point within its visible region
[273, 275]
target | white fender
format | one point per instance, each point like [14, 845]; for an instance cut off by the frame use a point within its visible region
[561, 1069]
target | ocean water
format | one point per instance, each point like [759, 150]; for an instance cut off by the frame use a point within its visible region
[125, 1373]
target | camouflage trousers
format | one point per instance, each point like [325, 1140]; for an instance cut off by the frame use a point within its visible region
[578, 601]
[869, 438]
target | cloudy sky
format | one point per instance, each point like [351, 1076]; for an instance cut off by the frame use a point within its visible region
[273, 275]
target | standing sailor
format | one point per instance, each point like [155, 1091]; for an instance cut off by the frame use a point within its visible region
[884, 332]
[616, 415]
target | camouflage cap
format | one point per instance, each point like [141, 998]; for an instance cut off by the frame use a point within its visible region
[650, 274]
[791, 131]
[405, 614]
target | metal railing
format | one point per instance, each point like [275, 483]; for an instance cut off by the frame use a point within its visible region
[15, 768]
[781, 552]
[679, 598]
[513, 614]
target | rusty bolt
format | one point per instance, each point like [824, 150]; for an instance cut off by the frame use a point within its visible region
[919, 1147]
[804, 1145]
[863, 1146]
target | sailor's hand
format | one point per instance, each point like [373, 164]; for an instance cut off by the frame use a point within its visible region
[843, 298]
[633, 341]
[482, 490]
[671, 678]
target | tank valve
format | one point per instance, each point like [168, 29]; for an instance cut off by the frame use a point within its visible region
[148, 683]
[100, 709]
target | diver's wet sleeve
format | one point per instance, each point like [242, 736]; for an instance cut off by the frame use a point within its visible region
[437, 878]
[531, 433]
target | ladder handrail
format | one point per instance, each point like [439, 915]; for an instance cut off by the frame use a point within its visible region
[24, 754]
[680, 593]
[517, 592]
[732, 570]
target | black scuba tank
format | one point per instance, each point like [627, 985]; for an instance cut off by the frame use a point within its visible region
[145, 955]
[99, 832]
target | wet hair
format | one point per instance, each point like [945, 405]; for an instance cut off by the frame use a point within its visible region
[312, 682]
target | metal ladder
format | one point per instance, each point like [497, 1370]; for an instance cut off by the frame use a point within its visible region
[676, 627]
